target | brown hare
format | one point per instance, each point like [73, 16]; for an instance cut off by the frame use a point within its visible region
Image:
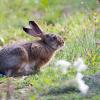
[28, 58]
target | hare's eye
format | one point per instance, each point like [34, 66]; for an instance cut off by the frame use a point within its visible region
[54, 37]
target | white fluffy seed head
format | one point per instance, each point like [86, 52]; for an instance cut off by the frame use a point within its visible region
[78, 61]
[63, 65]
[79, 76]
[81, 84]
[79, 64]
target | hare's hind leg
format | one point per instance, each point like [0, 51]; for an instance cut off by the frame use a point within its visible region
[15, 61]
[23, 67]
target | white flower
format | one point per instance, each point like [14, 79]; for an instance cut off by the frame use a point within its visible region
[63, 65]
[79, 76]
[81, 84]
[79, 64]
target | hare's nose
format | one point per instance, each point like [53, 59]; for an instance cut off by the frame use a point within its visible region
[62, 42]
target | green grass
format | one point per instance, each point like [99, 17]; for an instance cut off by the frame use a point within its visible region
[76, 20]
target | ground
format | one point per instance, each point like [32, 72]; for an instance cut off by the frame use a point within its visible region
[77, 21]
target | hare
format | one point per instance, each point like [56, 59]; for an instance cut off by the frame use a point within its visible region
[28, 58]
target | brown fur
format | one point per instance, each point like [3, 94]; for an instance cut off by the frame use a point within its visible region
[28, 58]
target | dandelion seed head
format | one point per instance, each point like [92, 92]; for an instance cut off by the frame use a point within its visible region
[81, 84]
[63, 65]
[79, 64]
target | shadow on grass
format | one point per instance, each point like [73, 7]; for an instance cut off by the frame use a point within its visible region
[63, 90]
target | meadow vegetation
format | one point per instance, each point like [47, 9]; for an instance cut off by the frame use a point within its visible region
[78, 21]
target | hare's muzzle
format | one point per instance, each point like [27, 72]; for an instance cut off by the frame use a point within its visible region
[61, 41]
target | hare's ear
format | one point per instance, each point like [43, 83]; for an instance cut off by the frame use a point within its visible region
[35, 27]
[31, 32]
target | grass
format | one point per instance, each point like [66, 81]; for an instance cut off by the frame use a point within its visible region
[76, 20]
